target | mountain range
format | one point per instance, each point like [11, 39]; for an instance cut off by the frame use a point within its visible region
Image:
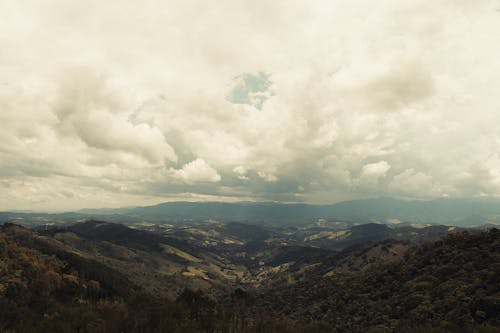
[210, 276]
[447, 211]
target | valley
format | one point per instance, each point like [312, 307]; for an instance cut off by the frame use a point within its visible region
[322, 273]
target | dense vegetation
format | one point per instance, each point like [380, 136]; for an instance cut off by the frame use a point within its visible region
[44, 289]
[450, 285]
[451, 282]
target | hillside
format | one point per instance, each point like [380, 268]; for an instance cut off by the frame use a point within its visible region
[46, 288]
[453, 281]
[104, 277]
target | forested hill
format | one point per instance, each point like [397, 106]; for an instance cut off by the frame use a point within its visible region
[74, 280]
[450, 283]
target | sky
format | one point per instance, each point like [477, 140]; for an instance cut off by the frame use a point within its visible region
[118, 103]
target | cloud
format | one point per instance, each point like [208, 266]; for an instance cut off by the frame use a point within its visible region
[196, 171]
[412, 183]
[268, 177]
[401, 87]
[241, 171]
[372, 173]
[119, 103]
[89, 110]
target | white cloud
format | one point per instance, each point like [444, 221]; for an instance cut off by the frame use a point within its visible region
[241, 171]
[89, 110]
[196, 171]
[414, 184]
[372, 173]
[268, 177]
[128, 101]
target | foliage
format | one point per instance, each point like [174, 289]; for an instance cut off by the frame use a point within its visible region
[450, 285]
[453, 281]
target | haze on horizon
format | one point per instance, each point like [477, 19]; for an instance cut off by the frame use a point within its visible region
[116, 103]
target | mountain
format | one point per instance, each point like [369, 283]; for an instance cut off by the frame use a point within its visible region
[329, 276]
[447, 211]
[47, 286]
[462, 212]
[449, 284]
[214, 257]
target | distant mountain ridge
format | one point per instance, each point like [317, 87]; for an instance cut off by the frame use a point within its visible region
[460, 212]
[445, 211]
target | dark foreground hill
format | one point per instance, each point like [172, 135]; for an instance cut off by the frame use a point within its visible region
[46, 288]
[101, 277]
[452, 282]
